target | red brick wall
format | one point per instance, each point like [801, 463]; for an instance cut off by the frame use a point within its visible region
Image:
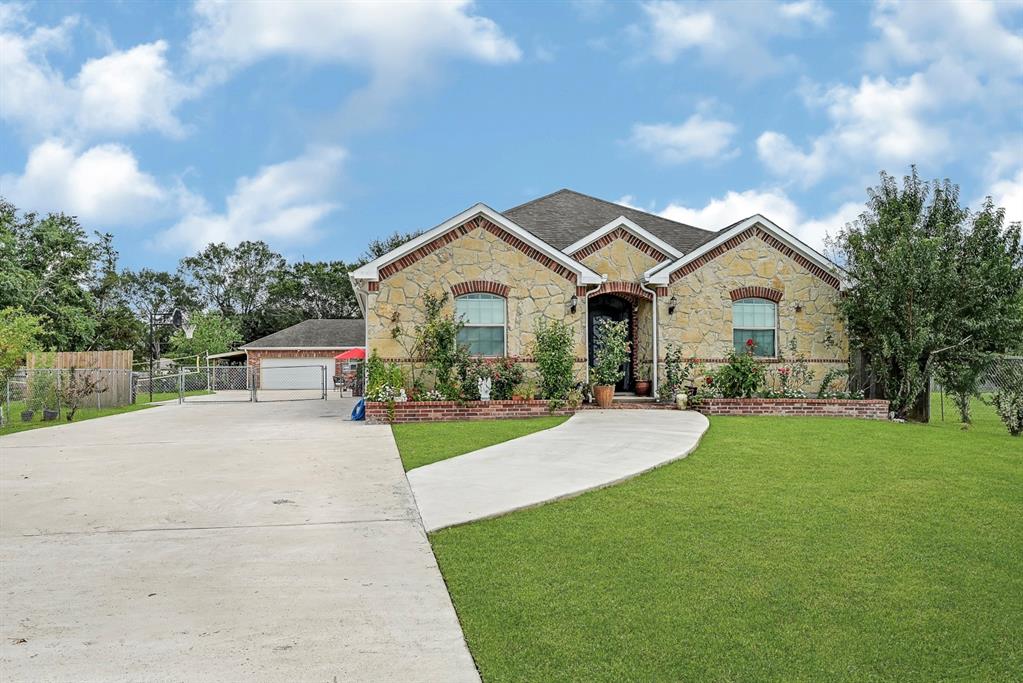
[441, 411]
[255, 356]
[866, 409]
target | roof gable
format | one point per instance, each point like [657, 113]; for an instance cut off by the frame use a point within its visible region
[479, 215]
[754, 226]
[623, 228]
[564, 217]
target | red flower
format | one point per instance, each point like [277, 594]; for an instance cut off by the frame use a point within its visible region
[750, 343]
[710, 379]
[784, 371]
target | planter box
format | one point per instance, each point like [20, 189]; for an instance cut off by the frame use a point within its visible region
[867, 409]
[446, 411]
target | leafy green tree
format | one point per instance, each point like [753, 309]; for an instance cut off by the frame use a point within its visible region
[380, 246]
[213, 334]
[313, 290]
[932, 284]
[19, 334]
[45, 267]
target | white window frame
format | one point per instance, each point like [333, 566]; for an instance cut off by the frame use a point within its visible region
[504, 325]
[773, 328]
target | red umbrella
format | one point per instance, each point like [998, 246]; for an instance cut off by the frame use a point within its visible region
[352, 354]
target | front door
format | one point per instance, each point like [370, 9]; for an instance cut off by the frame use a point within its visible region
[611, 307]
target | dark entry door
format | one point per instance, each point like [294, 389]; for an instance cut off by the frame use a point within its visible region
[613, 308]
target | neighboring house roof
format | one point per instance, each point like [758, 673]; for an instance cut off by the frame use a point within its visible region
[315, 334]
[720, 241]
[565, 217]
[371, 271]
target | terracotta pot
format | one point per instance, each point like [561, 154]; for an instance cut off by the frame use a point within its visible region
[642, 387]
[604, 393]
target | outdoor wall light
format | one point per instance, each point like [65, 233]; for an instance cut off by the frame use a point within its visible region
[799, 308]
[672, 303]
[574, 303]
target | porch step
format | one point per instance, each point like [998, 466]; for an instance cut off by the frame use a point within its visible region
[632, 398]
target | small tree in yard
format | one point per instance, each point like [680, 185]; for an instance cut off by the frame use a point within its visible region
[555, 358]
[19, 334]
[77, 385]
[935, 288]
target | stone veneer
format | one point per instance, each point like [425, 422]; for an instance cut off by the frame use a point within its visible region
[446, 411]
[702, 322]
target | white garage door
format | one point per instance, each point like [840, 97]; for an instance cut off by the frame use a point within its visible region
[294, 373]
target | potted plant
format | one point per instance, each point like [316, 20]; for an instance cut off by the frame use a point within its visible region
[643, 378]
[524, 391]
[610, 351]
[27, 415]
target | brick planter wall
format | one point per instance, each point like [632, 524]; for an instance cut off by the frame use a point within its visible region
[441, 411]
[820, 407]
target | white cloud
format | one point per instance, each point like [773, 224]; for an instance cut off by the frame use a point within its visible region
[775, 204]
[283, 203]
[733, 36]
[878, 121]
[398, 46]
[101, 185]
[1008, 193]
[697, 137]
[123, 92]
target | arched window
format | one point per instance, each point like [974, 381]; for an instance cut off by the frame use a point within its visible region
[484, 318]
[754, 319]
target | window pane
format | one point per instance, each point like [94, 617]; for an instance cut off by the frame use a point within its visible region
[483, 341]
[749, 313]
[480, 309]
[763, 341]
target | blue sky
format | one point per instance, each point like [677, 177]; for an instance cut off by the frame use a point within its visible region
[317, 126]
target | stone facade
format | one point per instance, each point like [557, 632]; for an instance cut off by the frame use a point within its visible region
[478, 257]
[702, 321]
[533, 291]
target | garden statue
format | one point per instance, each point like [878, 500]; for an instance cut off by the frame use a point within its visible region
[484, 385]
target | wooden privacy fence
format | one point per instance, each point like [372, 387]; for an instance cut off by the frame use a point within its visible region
[113, 368]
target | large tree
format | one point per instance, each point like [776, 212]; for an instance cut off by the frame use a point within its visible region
[933, 285]
[313, 290]
[213, 333]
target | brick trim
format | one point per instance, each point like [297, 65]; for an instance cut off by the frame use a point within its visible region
[662, 291]
[465, 228]
[756, 293]
[519, 359]
[444, 411]
[764, 359]
[864, 409]
[621, 287]
[480, 287]
[772, 241]
[620, 234]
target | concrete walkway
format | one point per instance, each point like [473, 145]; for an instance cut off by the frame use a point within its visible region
[592, 449]
[218, 542]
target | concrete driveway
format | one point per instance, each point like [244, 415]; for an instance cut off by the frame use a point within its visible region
[227, 542]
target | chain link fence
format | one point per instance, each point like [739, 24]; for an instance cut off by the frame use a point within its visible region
[46, 394]
[1003, 374]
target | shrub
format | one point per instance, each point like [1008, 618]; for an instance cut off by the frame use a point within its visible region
[380, 374]
[676, 373]
[525, 390]
[1009, 405]
[610, 351]
[554, 351]
[741, 377]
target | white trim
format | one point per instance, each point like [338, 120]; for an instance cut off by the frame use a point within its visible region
[661, 274]
[636, 230]
[371, 271]
[299, 348]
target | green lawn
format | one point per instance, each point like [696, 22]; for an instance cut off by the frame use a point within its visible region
[16, 425]
[782, 549]
[421, 444]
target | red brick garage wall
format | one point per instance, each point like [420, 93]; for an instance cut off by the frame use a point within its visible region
[255, 356]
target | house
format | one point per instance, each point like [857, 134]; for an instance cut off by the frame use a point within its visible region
[578, 258]
[294, 358]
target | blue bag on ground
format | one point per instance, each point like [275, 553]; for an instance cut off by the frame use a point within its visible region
[359, 411]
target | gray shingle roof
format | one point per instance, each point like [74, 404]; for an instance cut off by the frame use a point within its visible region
[325, 333]
[564, 217]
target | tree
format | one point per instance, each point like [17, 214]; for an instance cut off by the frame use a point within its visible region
[932, 285]
[155, 293]
[378, 247]
[19, 334]
[313, 290]
[213, 334]
[45, 268]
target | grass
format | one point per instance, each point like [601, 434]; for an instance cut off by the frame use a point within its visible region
[782, 549]
[84, 413]
[421, 444]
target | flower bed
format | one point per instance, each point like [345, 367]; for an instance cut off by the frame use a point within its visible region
[378, 412]
[866, 409]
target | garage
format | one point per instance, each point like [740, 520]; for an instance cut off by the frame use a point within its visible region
[301, 356]
[296, 373]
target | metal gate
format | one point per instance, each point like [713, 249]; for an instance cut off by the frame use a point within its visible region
[297, 382]
[215, 384]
